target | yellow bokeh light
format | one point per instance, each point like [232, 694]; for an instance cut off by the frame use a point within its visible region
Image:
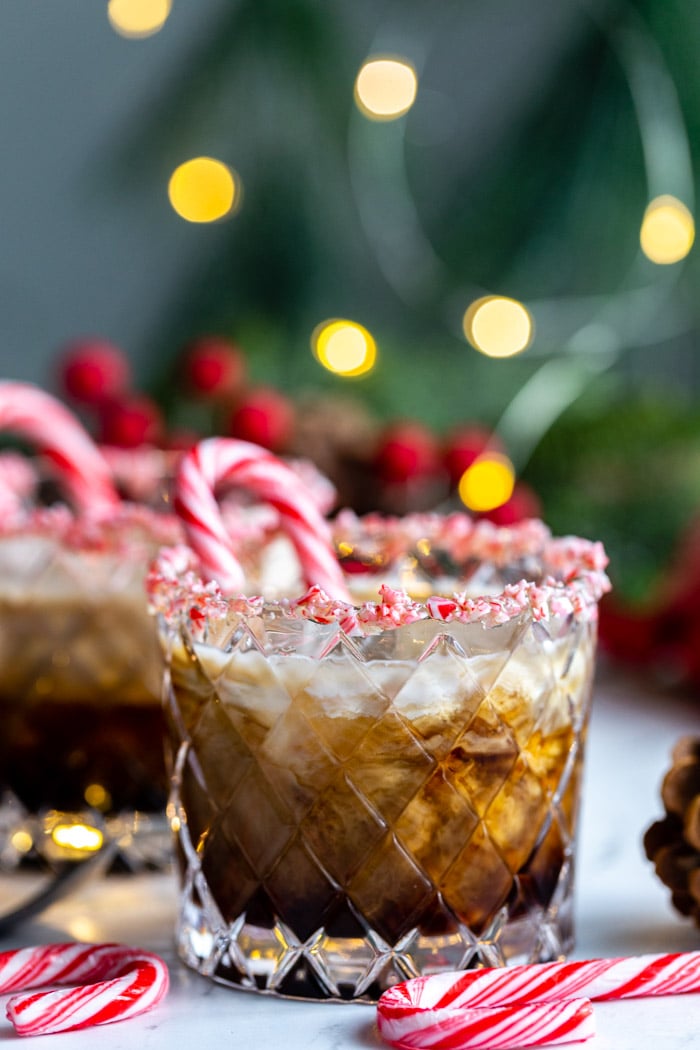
[77, 837]
[22, 841]
[668, 230]
[385, 88]
[138, 18]
[97, 796]
[488, 483]
[344, 347]
[84, 928]
[498, 327]
[203, 190]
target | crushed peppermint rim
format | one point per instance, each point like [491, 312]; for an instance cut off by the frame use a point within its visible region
[571, 577]
[457, 534]
[115, 531]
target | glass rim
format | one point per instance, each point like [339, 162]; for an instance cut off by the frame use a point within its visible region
[112, 532]
[571, 580]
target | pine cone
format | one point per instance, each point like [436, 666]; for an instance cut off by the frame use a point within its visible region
[673, 843]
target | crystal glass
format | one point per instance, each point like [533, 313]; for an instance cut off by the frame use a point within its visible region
[388, 793]
[80, 681]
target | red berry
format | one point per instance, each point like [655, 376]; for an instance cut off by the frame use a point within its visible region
[627, 634]
[213, 368]
[463, 446]
[264, 417]
[676, 650]
[523, 503]
[130, 422]
[93, 370]
[406, 450]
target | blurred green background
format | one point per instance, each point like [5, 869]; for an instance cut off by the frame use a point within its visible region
[539, 134]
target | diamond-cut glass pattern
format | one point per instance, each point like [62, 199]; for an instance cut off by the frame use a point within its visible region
[296, 775]
[342, 817]
[435, 824]
[482, 758]
[390, 806]
[235, 895]
[220, 751]
[389, 744]
[263, 838]
[297, 878]
[323, 703]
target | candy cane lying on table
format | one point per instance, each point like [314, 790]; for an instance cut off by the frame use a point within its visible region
[113, 982]
[36, 416]
[523, 1005]
[216, 461]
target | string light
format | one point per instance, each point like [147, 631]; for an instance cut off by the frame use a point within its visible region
[80, 837]
[668, 230]
[385, 88]
[497, 326]
[344, 347]
[487, 483]
[138, 18]
[204, 190]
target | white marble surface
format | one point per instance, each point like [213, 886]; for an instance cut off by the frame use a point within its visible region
[622, 909]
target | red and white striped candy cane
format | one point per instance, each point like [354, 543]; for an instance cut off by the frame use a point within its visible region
[218, 461]
[523, 1005]
[36, 416]
[18, 482]
[112, 982]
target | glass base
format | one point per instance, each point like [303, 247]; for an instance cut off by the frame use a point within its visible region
[273, 961]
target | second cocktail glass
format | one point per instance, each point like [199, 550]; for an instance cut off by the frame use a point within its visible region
[81, 749]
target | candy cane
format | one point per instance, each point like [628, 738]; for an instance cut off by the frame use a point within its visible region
[40, 418]
[216, 461]
[18, 481]
[113, 982]
[523, 1005]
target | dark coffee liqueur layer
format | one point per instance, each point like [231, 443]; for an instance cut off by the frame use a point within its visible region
[52, 752]
[80, 704]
